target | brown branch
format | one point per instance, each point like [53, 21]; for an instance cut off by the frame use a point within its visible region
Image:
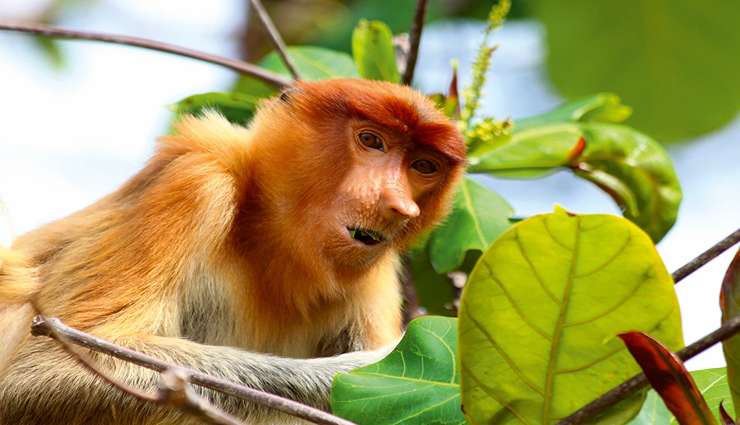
[172, 392]
[414, 40]
[42, 327]
[174, 389]
[236, 65]
[707, 256]
[277, 40]
[622, 391]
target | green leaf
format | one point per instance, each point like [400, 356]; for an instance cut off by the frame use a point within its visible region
[478, 217]
[372, 48]
[730, 304]
[541, 310]
[629, 166]
[418, 383]
[313, 63]
[238, 108]
[676, 62]
[602, 107]
[434, 291]
[713, 386]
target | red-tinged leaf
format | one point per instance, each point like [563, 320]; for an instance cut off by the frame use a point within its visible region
[577, 149]
[729, 303]
[453, 98]
[670, 379]
[726, 418]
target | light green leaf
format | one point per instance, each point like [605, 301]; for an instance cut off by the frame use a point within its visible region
[418, 383]
[676, 62]
[540, 314]
[478, 217]
[313, 63]
[712, 384]
[629, 166]
[238, 108]
[602, 107]
[372, 48]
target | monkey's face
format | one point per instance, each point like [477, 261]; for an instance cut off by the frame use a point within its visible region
[368, 167]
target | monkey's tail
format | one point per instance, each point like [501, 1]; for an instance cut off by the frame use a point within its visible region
[18, 281]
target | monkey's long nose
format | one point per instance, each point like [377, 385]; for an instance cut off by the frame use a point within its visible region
[397, 203]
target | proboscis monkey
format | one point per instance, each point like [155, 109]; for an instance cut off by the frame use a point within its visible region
[265, 255]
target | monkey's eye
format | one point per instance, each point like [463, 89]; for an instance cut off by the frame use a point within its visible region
[424, 166]
[371, 140]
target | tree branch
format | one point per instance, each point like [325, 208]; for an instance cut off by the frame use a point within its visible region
[620, 392]
[42, 326]
[414, 40]
[707, 256]
[277, 40]
[236, 65]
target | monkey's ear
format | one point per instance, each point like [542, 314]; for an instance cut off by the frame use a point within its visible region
[287, 93]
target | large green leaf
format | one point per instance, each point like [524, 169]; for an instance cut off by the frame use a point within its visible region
[730, 305]
[478, 217]
[712, 384]
[418, 383]
[372, 48]
[676, 62]
[541, 310]
[313, 63]
[629, 166]
[238, 108]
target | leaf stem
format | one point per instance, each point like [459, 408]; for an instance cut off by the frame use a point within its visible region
[277, 40]
[628, 387]
[707, 256]
[62, 33]
[414, 40]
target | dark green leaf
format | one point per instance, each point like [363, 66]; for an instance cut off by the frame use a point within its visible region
[434, 291]
[372, 48]
[629, 166]
[238, 108]
[669, 377]
[541, 310]
[478, 216]
[676, 62]
[418, 383]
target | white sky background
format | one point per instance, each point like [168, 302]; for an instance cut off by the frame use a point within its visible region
[69, 137]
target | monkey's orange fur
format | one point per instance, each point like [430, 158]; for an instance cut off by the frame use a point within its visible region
[239, 237]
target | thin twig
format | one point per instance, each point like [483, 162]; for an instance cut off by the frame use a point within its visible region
[277, 40]
[707, 256]
[174, 389]
[236, 65]
[414, 40]
[250, 394]
[622, 391]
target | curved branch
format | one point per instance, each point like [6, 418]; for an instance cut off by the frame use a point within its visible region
[236, 65]
[414, 40]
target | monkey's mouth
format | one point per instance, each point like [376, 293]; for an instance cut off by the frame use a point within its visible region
[365, 236]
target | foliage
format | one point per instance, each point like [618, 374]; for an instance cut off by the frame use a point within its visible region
[541, 310]
[675, 62]
[730, 305]
[419, 382]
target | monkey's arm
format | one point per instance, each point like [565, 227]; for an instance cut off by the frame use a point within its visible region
[45, 385]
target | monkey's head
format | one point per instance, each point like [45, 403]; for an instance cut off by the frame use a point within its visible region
[353, 169]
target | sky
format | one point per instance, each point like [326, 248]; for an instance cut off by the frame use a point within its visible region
[68, 137]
